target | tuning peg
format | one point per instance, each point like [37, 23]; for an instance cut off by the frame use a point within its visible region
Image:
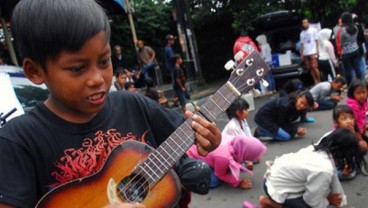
[264, 83]
[229, 65]
[238, 56]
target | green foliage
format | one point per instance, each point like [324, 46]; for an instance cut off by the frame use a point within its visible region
[152, 21]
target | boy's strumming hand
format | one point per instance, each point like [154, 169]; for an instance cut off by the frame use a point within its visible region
[208, 136]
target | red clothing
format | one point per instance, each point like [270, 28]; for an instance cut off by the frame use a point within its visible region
[338, 42]
[245, 44]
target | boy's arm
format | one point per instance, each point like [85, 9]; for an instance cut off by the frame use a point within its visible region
[18, 180]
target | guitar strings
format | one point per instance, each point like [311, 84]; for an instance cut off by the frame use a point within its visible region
[142, 180]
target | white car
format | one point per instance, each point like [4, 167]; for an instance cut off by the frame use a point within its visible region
[18, 92]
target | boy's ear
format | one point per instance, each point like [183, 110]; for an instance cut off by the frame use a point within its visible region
[33, 71]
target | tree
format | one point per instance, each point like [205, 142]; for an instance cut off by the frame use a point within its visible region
[153, 20]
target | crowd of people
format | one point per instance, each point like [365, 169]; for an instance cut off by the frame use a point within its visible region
[311, 176]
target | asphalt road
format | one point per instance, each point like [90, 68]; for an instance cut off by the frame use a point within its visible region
[227, 196]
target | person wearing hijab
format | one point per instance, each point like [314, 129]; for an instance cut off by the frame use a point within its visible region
[226, 161]
[267, 57]
[326, 59]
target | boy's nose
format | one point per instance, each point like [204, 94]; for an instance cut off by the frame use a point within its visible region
[96, 78]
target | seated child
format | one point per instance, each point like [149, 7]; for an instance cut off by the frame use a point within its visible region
[308, 178]
[155, 94]
[275, 119]
[226, 161]
[238, 125]
[294, 86]
[130, 87]
[343, 117]
[357, 101]
[120, 80]
[65, 45]
[327, 94]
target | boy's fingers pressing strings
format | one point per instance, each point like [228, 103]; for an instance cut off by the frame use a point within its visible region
[207, 134]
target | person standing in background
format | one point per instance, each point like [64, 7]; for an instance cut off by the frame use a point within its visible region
[309, 50]
[267, 57]
[169, 52]
[146, 59]
[361, 44]
[350, 50]
[326, 60]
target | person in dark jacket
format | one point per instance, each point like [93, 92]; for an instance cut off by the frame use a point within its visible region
[275, 119]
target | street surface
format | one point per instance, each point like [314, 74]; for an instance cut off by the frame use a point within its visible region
[227, 196]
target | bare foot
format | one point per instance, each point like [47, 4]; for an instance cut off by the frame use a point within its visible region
[266, 202]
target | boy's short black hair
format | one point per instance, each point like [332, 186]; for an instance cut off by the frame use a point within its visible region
[238, 104]
[341, 109]
[128, 84]
[308, 96]
[341, 80]
[44, 29]
[175, 58]
[355, 84]
[119, 71]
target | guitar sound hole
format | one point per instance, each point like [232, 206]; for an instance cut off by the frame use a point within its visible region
[133, 188]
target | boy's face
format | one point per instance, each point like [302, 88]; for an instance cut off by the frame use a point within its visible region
[121, 79]
[79, 81]
[305, 24]
[301, 103]
[346, 120]
[337, 85]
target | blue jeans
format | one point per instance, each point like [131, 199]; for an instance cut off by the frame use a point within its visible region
[182, 95]
[280, 135]
[351, 62]
[271, 81]
[325, 104]
[146, 68]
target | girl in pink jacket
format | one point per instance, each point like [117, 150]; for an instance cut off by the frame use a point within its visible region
[357, 101]
[226, 161]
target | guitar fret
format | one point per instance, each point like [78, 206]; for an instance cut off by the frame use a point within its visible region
[216, 105]
[159, 160]
[174, 150]
[153, 154]
[145, 171]
[179, 146]
[219, 92]
[168, 154]
[158, 177]
[213, 117]
[185, 140]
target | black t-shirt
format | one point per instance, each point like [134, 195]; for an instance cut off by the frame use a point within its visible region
[40, 151]
[179, 73]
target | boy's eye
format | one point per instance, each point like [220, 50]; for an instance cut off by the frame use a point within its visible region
[105, 62]
[76, 69]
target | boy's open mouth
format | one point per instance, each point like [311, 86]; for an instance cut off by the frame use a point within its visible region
[97, 98]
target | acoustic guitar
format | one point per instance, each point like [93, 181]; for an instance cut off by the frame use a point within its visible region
[135, 172]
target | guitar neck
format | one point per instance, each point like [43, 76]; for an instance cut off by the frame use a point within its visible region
[243, 78]
[168, 153]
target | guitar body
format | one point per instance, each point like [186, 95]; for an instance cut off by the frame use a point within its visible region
[102, 188]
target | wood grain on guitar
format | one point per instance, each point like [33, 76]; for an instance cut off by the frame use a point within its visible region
[134, 172]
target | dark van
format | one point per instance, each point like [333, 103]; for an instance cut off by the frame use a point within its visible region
[282, 29]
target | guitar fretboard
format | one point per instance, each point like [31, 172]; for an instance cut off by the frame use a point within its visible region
[159, 162]
[168, 153]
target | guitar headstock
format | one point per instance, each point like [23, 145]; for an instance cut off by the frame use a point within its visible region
[251, 70]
